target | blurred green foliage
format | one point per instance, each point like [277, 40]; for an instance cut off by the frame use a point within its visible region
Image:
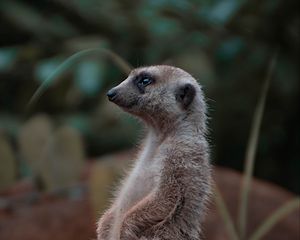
[225, 44]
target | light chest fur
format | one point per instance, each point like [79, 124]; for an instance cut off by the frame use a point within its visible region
[141, 181]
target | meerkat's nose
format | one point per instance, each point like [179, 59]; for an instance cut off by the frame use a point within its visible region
[111, 94]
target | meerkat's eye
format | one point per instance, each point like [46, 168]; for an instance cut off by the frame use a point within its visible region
[144, 81]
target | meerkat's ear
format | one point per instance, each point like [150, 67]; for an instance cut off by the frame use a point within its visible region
[185, 94]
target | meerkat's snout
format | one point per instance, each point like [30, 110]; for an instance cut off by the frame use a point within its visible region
[111, 94]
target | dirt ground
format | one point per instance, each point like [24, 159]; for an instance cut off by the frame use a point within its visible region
[59, 218]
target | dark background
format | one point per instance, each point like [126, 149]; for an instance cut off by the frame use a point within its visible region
[227, 45]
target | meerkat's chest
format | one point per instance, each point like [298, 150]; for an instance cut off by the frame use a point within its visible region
[141, 181]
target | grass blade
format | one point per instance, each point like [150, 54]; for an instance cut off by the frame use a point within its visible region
[275, 217]
[223, 210]
[120, 62]
[251, 149]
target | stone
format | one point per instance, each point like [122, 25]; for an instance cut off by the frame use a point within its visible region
[32, 140]
[63, 161]
[8, 169]
[104, 177]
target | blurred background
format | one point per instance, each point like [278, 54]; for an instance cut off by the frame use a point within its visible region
[61, 156]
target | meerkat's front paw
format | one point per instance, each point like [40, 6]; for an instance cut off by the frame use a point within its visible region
[128, 232]
[104, 226]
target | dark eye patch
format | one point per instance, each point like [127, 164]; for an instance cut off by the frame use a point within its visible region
[142, 80]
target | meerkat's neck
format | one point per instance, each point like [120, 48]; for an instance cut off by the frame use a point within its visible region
[190, 126]
[155, 139]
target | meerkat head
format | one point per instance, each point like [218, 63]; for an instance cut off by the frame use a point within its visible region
[158, 93]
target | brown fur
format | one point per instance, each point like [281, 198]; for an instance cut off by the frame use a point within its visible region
[164, 195]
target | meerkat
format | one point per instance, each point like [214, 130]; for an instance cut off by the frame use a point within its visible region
[165, 194]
